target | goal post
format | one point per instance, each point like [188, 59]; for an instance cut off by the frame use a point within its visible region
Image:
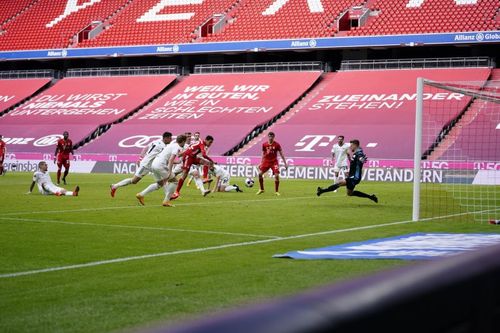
[457, 151]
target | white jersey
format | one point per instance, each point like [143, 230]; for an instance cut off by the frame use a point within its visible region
[45, 184]
[154, 149]
[161, 160]
[223, 174]
[340, 154]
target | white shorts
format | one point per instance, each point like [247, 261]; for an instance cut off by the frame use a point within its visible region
[50, 189]
[224, 181]
[178, 169]
[142, 171]
[337, 168]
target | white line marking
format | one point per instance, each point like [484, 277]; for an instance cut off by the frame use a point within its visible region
[218, 247]
[136, 227]
[204, 203]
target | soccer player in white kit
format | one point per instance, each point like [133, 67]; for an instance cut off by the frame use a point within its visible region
[45, 184]
[222, 179]
[162, 170]
[340, 154]
[148, 154]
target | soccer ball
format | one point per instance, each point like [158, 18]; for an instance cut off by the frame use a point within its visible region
[249, 182]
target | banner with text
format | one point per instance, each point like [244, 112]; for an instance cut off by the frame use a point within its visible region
[226, 106]
[13, 91]
[79, 106]
[376, 107]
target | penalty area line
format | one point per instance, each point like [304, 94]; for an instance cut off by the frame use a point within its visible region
[18, 219]
[204, 249]
[204, 203]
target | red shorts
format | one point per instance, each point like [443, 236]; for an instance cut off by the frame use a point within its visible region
[273, 165]
[189, 161]
[63, 161]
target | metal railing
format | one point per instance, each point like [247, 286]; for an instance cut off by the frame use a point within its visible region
[350, 65]
[29, 74]
[260, 67]
[123, 71]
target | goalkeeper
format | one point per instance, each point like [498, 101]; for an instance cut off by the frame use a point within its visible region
[355, 173]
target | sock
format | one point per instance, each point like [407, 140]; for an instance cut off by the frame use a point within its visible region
[124, 182]
[199, 184]
[66, 171]
[1, 170]
[169, 189]
[230, 188]
[179, 185]
[276, 185]
[261, 182]
[149, 189]
[330, 188]
[69, 193]
[58, 175]
[361, 194]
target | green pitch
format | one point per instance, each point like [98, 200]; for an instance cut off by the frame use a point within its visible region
[97, 264]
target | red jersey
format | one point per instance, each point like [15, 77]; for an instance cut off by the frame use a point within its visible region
[195, 149]
[270, 151]
[2, 148]
[64, 147]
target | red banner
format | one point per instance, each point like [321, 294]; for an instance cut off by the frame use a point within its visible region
[226, 106]
[15, 90]
[79, 106]
[376, 107]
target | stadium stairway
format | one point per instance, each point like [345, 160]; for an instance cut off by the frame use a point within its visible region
[449, 135]
[309, 95]
[28, 98]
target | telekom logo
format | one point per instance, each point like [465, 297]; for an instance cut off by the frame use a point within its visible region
[310, 142]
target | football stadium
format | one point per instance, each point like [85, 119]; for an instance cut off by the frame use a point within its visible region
[249, 166]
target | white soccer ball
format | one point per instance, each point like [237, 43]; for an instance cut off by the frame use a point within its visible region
[249, 182]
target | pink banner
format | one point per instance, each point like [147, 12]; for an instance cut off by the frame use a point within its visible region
[376, 107]
[226, 106]
[76, 105]
[297, 161]
[15, 90]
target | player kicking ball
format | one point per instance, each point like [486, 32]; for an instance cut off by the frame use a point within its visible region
[354, 177]
[45, 184]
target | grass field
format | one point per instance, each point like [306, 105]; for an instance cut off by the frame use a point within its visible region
[97, 264]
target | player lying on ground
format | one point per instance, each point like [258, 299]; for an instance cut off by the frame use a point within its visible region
[45, 185]
[147, 156]
[162, 170]
[354, 177]
[222, 180]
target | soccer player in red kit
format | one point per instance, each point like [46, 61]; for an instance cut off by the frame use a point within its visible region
[270, 150]
[190, 157]
[3, 152]
[61, 156]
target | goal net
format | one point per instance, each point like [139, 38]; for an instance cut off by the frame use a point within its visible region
[457, 151]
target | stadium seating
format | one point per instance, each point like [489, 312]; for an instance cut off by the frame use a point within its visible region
[83, 106]
[396, 17]
[226, 106]
[41, 24]
[376, 107]
[13, 91]
[152, 29]
[30, 30]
